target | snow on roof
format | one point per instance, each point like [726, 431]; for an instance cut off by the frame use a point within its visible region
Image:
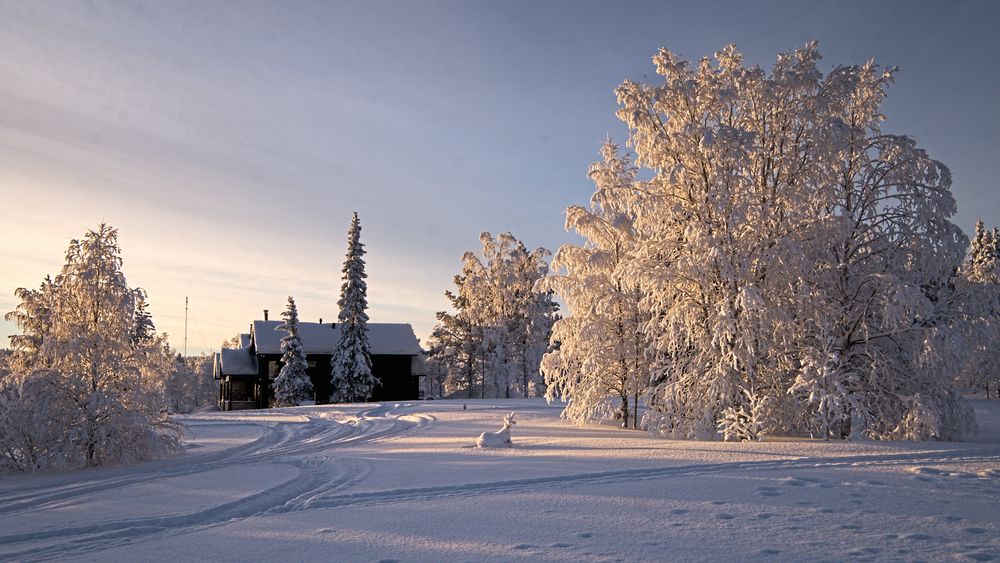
[244, 340]
[396, 339]
[237, 362]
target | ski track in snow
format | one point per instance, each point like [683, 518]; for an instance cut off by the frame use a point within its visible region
[316, 478]
[320, 469]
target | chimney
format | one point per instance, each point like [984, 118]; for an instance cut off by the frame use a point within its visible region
[265, 314]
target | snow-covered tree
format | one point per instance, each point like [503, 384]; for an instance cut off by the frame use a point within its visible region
[794, 260]
[494, 340]
[144, 330]
[83, 390]
[601, 367]
[455, 341]
[190, 383]
[292, 384]
[351, 377]
[981, 274]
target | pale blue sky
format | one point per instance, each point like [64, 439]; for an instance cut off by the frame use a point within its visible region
[231, 141]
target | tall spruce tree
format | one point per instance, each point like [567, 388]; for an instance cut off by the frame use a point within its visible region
[351, 377]
[292, 384]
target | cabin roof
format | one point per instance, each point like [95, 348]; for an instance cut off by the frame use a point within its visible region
[396, 339]
[236, 362]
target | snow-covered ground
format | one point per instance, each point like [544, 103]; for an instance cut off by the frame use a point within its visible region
[403, 482]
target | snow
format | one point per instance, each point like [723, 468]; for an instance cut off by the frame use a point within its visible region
[403, 481]
[317, 338]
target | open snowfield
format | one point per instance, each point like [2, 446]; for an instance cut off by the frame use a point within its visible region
[403, 482]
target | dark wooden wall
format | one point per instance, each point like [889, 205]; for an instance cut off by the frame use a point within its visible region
[395, 373]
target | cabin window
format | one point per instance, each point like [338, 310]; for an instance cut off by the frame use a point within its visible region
[273, 368]
[311, 363]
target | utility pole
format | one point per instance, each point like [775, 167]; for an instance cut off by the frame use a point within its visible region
[185, 328]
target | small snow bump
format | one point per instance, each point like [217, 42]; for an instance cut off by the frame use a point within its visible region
[724, 516]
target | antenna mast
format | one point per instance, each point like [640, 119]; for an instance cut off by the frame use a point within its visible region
[185, 327]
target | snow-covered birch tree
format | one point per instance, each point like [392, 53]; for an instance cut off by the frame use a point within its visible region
[292, 384]
[492, 344]
[84, 390]
[794, 260]
[351, 378]
[601, 366]
[981, 274]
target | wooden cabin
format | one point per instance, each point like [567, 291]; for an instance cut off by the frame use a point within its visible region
[246, 375]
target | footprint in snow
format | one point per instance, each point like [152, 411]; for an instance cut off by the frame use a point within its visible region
[523, 546]
[561, 545]
[863, 551]
[388, 561]
[825, 510]
[981, 556]
[724, 516]
[853, 527]
[770, 551]
[916, 537]
[975, 530]
[718, 502]
[764, 515]
[585, 535]
[679, 511]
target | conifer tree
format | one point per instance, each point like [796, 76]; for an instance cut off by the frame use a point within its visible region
[144, 330]
[292, 384]
[351, 378]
